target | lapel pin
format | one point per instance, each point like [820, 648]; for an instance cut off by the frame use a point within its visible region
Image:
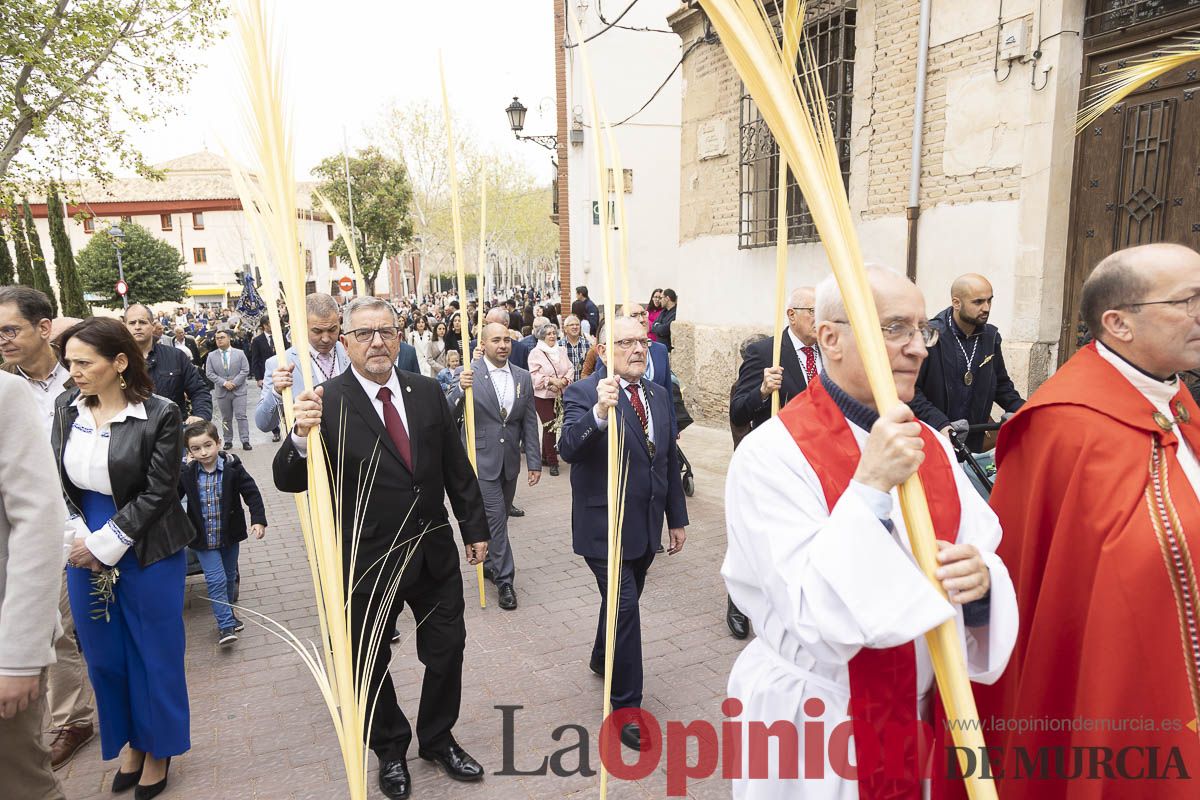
[408, 388]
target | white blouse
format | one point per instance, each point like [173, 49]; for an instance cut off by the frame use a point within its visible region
[85, 461]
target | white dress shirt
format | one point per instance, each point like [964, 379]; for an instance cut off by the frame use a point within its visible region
[602, 424]
[45, 392]
[85, 461]
[503, 383]
[372, 389]
[799, 345]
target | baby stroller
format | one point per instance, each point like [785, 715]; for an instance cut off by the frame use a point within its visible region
[980, 467]
[682, 420]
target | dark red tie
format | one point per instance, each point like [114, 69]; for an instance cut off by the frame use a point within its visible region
[395, 427]
[635, 398]
[810, 364]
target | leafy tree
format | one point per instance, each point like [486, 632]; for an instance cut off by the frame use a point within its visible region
[70, 290]
[7, 274]
[75, 77]
[20, 246]
[41, 275]
[381, 196]
[153, 268]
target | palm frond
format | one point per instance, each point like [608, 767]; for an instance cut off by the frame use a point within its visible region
[1120, 84]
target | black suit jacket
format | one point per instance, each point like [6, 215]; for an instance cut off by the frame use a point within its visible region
[747, 406]
[403, 513]
[260, 350]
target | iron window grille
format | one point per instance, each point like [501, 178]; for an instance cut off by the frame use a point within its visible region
[1111, 15]
[832, 38]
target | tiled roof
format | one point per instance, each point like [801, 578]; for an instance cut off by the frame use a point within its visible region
[197, 176]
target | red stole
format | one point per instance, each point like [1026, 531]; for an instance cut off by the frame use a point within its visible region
[883, 682]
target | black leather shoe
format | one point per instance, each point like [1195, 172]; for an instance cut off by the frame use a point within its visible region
[154, 789]
[513, 511]
[394, 780]
[274, 436]
[229, 445]
[596, 665]
[124, 781]
[508, 597]
[246, 446]
[739, 626]
[457, 762]
[554, 471]
[631, 737]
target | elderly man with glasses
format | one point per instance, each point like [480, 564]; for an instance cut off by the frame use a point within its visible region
[1099, 494]
[819, 560]
[653, 493]
[391, 436]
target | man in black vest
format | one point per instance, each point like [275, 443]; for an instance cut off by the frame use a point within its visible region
[965, 373]
[376, 419]
[750, 404]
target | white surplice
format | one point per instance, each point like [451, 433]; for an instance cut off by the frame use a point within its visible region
[819, 585]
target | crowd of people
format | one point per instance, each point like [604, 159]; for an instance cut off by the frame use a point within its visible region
[1084, 539]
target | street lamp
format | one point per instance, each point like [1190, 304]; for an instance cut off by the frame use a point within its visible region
[516, 120]
[119, 236]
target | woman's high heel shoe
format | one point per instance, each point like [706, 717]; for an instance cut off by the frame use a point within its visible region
[155, 789]
[124, 781]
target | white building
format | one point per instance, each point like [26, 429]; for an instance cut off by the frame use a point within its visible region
[196, 209]
[628, 68]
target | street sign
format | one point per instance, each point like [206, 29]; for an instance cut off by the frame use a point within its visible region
[346, 284]
[122, 288]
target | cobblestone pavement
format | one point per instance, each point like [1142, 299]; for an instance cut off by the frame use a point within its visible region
[260, 729]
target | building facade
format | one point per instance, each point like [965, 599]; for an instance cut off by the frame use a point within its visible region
[195, 208]
[1005, 187]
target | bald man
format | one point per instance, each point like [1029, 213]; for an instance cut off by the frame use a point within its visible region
[1098, 493]
[965, 374]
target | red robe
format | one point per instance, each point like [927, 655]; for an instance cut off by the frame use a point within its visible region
[1100, 525]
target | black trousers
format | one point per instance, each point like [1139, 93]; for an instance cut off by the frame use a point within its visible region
[627, 660]
[437, 605]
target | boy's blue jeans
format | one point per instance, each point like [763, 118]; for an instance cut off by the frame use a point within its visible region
[220, 571]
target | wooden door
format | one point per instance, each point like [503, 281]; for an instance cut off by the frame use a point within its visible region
[1137, 175]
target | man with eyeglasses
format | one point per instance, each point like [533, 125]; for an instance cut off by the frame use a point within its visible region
[819, 560]
[965, 375]
[391, 435]
[26, 331]
[328, 360]
[1098, 491]
[653, 492]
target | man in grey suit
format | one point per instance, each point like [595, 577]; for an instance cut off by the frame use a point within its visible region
[506, 423]
[227, 368]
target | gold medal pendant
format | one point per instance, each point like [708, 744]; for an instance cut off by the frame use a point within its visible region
[968, 378]
[503, 415]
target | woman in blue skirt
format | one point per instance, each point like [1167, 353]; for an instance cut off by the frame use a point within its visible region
[118, 447]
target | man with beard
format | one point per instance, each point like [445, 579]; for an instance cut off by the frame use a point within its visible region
[174, 375]
[964, 374]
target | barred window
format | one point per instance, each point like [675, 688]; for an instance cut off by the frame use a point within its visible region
[832, 37]
[1111, 15]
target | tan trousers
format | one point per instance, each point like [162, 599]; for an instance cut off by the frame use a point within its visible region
[67, 683]
[24, 757]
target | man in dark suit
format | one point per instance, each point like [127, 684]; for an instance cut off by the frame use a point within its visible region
[662, 325]
[506, 424]
[406, 359]
[750, 402]
[591, 312]
[653, 490]
[375, 419]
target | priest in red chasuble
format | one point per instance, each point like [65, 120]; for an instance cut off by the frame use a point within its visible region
[819, 560]
[1097, 495]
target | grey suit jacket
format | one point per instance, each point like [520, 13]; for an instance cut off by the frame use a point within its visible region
[239, 370]
[498, 445]
[32, 522]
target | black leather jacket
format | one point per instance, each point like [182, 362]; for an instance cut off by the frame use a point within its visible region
[143, 465]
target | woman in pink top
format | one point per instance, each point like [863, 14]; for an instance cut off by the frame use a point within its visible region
[653, 309]
[551, 369]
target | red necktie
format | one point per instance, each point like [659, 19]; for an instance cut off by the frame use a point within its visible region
[636, 400]
[810, 364]
[395, 427]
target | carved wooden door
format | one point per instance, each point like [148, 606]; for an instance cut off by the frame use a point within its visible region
[1137, 176]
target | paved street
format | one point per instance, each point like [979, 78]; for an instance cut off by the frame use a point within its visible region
[260, 729]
